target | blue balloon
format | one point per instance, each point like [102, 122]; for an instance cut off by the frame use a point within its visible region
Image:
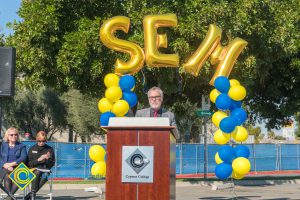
[242, 151]
[235, 104]
[131, 98]
[126, 82]
[222, 84]
[227, 153]
[223, 170]
[223, 102]
[104, 118]
[227, 124]
[239, 115]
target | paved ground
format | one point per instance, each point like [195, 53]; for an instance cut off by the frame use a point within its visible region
[196, 191]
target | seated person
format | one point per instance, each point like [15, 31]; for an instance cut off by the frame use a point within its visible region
[12, 153]
[40, 157]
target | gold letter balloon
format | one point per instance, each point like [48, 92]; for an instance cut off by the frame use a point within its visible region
[153, 41]
[136, 53]
[223, 57]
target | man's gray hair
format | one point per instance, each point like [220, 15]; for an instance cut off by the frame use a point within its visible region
[156, 89]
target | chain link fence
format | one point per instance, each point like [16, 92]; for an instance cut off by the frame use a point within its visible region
[72, 159]
[263, 157]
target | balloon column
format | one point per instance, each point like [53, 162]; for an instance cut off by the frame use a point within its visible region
[118, 97]
[227, 96]
[97, 154]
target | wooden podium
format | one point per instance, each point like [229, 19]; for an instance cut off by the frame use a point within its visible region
[163, 143]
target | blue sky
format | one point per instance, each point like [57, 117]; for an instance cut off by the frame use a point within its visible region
[8, 13]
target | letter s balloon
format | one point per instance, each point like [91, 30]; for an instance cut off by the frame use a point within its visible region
[136, 53]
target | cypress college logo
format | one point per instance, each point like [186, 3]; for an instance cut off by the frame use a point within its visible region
[137, 164]
[22, 176]
[137, 161]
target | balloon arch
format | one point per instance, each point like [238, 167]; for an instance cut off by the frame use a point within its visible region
[227, 95]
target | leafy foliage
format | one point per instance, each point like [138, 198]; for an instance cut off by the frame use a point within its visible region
[271, 134]
[2, 43]
[35, 111]
[186, 119]
[297, 123]
[256, 131]
[279, 137]
[82, 115]
[58, 46]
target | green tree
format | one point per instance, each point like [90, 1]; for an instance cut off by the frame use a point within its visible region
[279, 137]
[58, 45]
[261, 136]
[34, 111]
[2, 43]
[271, 134]
[256, 131]
[297, 123]
[83, 116]
[189, 124]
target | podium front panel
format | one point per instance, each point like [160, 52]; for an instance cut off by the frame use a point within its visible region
[163, 186]
[115, 189]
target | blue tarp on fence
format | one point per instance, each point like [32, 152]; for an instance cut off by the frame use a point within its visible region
[72, 159]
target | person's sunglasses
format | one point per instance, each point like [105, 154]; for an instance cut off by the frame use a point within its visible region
[13, 134]
[42, 141]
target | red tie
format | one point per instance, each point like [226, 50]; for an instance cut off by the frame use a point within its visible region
[155, 114]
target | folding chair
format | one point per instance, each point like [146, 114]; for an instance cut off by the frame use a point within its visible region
[6, 193]
[48, 173]
[50, 182]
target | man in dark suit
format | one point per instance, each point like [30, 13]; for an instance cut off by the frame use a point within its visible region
[155, 98]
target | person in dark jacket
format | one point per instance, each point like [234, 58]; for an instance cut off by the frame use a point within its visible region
[40, 158]
[155, 98]
[12, 153]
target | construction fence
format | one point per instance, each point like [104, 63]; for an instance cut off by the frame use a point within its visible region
[72, 159]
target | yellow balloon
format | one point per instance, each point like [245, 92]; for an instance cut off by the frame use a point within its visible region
[97, 153]
[240, 134]
[217, 158]
[208, 45]
[104, 105]
[241, 165]
[113, 93]
[217, 117]
[153, 41]
[237, 176]
[234, 82]
[107, 36]
[220, 137]
[213, 95]
[111, 80]
[120, 108]
[237, 92]
[99, 169]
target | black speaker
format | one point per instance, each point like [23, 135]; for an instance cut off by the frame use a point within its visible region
[7, 71]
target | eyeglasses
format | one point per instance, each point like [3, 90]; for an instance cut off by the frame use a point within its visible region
[40, 141]
[154, 97]
[13, 135]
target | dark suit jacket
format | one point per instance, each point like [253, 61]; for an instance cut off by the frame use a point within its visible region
[164, 113]
[37, 151]
[20, 153]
